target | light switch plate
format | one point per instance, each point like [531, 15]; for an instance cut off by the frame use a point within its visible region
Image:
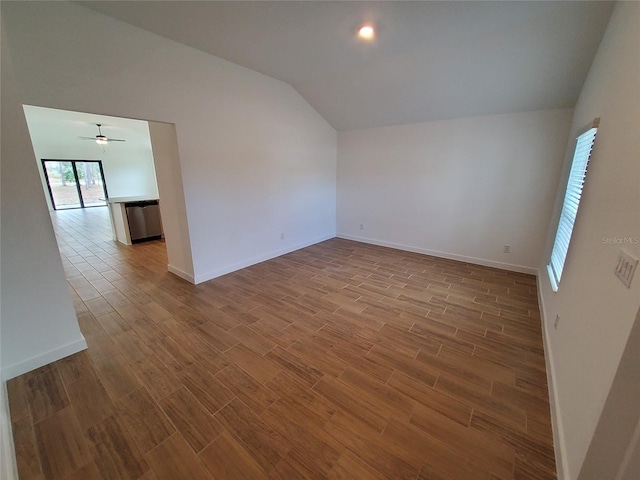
[626, 267]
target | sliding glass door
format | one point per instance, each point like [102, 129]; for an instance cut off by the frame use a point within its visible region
[75, 183]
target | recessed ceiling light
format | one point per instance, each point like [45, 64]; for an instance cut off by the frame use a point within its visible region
[366, 32]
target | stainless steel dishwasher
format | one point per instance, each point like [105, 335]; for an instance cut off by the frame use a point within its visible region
[144, 220]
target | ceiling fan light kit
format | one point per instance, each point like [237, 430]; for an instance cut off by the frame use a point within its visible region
[101, 139]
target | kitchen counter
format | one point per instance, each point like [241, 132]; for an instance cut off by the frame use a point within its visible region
[119, 220]
[130, 199]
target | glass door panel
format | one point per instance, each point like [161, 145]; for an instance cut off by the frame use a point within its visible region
[75, 183]
[62, 184]
[91, 184]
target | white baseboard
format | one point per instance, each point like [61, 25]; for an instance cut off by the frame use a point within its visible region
[262, 258]
[450, 256]
[8, 465]
[181, 273]
[562, 467]
[39, 360]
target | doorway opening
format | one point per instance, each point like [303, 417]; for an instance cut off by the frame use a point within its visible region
[75, 183]
[127, 173]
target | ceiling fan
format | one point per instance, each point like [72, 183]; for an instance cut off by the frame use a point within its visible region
[101, 139]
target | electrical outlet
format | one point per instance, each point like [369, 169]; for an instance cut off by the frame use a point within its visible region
[625, 267]
[362, 226]
[506, 249]
[556, 322]
[282, 236]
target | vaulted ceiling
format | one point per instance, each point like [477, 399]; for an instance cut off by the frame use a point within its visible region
[428, 61]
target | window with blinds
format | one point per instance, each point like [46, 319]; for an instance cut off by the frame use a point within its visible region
[577, 175]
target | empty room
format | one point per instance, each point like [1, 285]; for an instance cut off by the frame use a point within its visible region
[392, 240]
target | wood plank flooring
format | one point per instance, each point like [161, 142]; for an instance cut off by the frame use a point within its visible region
[339, 361]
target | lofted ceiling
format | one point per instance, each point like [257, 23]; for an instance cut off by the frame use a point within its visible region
[429, 60]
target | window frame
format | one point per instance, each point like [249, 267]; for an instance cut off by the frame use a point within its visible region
[573, 192]
[77, 182]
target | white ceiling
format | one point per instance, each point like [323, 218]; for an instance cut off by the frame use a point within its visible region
[55, 133]
[429, 61]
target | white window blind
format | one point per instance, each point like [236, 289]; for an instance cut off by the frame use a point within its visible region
[577, 175]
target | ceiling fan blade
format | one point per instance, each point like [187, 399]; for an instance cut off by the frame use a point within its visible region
[100, 138]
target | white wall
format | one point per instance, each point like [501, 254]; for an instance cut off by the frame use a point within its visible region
[130, 177]
[596, 310]
[256, 160]
[39, 323]
[129, 173]
[125, 176]
[617, 434]
[8, 467]
[167, 160]
[128, 166]
[631, 462]
[457, 188]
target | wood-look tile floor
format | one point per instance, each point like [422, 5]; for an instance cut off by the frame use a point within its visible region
[341, 361]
